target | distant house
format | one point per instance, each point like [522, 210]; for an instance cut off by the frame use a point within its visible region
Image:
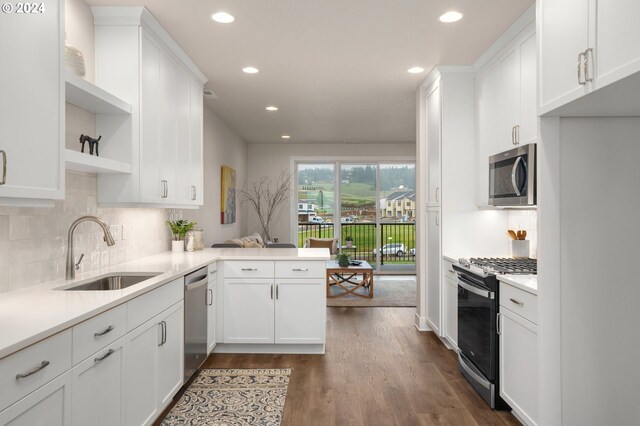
[306, 211]
[400, 205]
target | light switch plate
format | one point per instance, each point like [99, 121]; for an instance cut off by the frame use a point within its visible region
[116, 232]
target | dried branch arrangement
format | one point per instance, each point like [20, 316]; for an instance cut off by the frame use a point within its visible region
[266, 197]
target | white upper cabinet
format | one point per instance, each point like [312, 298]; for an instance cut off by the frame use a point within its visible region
[585, 45]
[487, 127]
[434, 132]
[528, 130]
[163, 139]
[509, 99]
[32, 106]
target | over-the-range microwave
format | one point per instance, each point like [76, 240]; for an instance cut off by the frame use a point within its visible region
[512, 177]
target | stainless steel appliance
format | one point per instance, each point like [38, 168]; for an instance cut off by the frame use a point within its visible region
[195, 321]
[512, 177]
[478, 304]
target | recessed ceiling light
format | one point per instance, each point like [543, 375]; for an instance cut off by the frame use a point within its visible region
[415, 70]
[271, 108]
[451, 16]
[251, 70]
[223, 17]
[286, 137]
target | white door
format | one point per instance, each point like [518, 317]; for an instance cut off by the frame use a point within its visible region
[434, 127]
[170, 354]
[301, 307]
[142, 373]
[528, 130]
[50, 405]
[617, 36]
[451, 288]
[168, 125]
[211, 315]
[183, 140]
[196, 135]
[488, 128]
[98, 396]
[433, 269]
[509, 99]
[519, 365]
[251, 319]
[563, 30]
[32, 103]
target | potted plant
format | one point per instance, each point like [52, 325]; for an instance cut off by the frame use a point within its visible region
[349, 241]
[179, 229]
[343, 260]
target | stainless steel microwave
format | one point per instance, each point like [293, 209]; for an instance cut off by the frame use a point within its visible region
[512, 177]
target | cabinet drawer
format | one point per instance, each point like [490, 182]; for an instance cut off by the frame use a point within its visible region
[519, 301]
[145, 307]
[249, 269]
[447, 270]
[94, 334]
[300, 269]
[25, 371]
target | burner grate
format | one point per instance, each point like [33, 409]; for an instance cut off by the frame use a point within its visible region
[507, 265]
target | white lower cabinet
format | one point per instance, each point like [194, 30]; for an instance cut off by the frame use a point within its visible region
[154, 365]
[50, 405]
[434, 258]
[451, 319]
[250, 308]
[300, 311]
[98, 396]
[212, 298]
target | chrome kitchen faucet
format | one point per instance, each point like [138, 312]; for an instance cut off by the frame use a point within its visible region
[108, 238]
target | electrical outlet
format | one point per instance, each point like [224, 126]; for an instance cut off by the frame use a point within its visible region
[116, 232]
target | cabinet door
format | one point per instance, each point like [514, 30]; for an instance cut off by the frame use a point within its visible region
[50, 405]
[509, 99]
[451, 304]
[488, 124]
[183, 151]
[171, 354]
[433, 269]
[563, 28]
[249, 309]
[434, 126]
[301, 307]
[98, 396]
[168, 126]
[211, 316]
[142, 373]
[519, 365]
[196, 137]
[617, 50]
[32, 103]
[528, 130]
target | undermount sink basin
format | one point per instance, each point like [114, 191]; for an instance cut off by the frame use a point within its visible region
[111, 282]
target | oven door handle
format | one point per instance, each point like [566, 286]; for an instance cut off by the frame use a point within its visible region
[469, 370]
[514, 170]
[475, 290]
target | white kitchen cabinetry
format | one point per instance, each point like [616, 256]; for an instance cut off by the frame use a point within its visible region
[300, 314]
[585, 45]
[487, 127]
[518, 358]
[450, 303]
[138, 61]
[434, 141]
[212, 303]
[249, 310]
[434, 258]
[32, 107]
[98, 396]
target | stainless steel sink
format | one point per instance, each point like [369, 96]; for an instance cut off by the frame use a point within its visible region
[111, 282]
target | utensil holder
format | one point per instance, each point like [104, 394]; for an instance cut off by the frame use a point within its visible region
[520, 249]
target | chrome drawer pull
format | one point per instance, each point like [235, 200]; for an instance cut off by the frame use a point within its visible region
[103, 357]
[4, 167]
[517, 302]
[300, 269]
[105, 331]
[249, 269]
[42, 366]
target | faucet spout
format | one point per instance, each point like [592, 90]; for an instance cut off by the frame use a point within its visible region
[108, 238]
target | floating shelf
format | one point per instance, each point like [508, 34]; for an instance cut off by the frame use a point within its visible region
[89, 163]
[90, 97]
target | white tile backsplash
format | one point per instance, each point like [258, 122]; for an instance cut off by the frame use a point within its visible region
[33, 241]
[526, 220]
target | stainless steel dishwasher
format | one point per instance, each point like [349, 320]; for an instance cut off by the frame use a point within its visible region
[195, 321]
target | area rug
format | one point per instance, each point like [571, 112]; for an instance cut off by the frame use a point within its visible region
[388, 291]
[221, 397]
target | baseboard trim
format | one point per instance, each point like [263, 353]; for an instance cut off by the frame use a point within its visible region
[421, 323]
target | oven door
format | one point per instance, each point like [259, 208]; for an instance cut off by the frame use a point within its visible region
[512, 177]
[477, 325]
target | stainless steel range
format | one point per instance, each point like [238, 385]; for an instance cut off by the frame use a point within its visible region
[478, 304]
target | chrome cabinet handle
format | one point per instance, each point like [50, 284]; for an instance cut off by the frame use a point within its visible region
[586, 54]
[581, 82]
[513, 135]
[437, 194]
[103, 332]
[34, 370]
[103, 357]
[300, 269]
[210, 292]
[271, 291]
[4, 167]
[249, 269]
[277, 292]
[517, 127]
[193, 192]
[163, 333]
[517, 302]
[498, 327]
[437, 218]
[165, 189]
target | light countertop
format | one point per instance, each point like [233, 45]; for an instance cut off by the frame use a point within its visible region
[34, 313]
[528, 283]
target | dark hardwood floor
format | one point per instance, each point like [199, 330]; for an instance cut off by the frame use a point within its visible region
[378, 370]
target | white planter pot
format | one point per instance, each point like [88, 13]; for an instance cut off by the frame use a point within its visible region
[177, 246]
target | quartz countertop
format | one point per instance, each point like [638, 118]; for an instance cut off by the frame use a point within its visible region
[34, 313]
[528, 283]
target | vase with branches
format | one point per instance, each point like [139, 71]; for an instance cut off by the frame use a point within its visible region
[267, 196]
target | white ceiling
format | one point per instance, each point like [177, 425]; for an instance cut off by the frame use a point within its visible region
[337, 69]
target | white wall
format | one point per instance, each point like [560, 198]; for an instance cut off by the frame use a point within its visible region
[221, 146]
[271, 159]
[80, 33]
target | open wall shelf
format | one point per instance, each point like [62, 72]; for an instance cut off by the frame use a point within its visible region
[84, 162]
[90, 97]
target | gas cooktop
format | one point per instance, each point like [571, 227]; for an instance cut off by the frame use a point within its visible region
[503, 265]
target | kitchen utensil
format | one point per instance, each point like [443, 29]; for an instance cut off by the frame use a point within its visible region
[509, 235]
[524, 235]
[512, 234]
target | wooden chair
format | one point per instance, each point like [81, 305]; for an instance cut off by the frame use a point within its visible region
[330, 243]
